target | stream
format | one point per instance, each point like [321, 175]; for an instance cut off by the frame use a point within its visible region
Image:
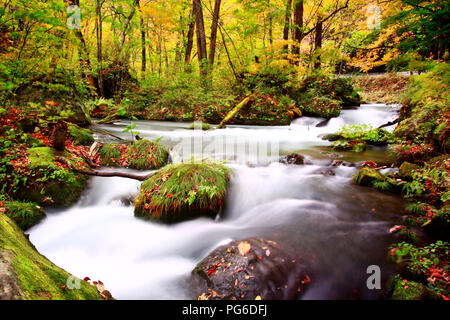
[345, 226]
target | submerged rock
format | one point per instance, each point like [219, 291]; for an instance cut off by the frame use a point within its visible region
[293, 158]
[366, 176]
[26, 274]
[183, 191]
[249, 269]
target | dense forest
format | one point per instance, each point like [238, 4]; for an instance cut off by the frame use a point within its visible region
[352, 97]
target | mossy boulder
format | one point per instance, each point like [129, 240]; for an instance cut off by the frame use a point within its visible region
[320, 106]
[248, 269]
[48, 181]
[80, 136]
[147, 155]
[200, 126]
[25, 274]
[402, 289]
[406, 169]
[366, 176]
[354, 146]
[183, 191]
[24, 214]
[141, 155]
[113, 155]
[332, 137]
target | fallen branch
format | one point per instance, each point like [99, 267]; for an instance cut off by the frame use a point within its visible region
[102, 173]
[234, 112]
[388, 124]
[105, 132]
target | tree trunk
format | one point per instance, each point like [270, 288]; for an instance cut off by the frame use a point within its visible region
[143, 48]
[190, 39]
[59, 132]
[318, 41]
[298, 25]
[214, 25]
[201, 38]
[127, 24]
[287, 22]
[99, 47]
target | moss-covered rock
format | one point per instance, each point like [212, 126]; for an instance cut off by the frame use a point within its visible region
[183, 191]
[248, 269]
[200, 126]
[402, 289]
[320, 106]
[406, 169]
[146, 155]
[26, 274]
[113, 154]
[354, 146]
[24, 214]
[48, 181]
[366, 176]
[80, 136]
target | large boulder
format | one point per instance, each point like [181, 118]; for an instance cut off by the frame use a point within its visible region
[183, 191]
[406, 170]
[249, 269]
[25, 274]
[147, 155]
[366, 176]
[49, 181]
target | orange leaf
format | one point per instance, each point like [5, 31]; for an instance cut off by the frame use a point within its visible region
[244, 247]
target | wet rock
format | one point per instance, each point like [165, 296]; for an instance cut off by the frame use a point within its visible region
[327, 172]
[406, 169]
[338, 163]
[248, 269]
[322, 123]
[293, 158]
[127, 200]
[366, 176]
[332, 137]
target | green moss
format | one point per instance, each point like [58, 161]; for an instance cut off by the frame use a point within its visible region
[355, 146]
[202, 126]
[80, 136]
[366, 176]
[37, 277]
[24, 214]
[183, 191]
[146, 155]
[406, 169]
[110, 154]
[409, 290]
[41, 157]
[49, 181]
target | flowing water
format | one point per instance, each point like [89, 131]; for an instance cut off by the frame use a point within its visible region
[343, 225]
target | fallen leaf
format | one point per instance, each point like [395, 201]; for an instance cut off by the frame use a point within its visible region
[244, 247]
[258, 298]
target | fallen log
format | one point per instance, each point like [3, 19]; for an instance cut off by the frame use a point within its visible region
[390, 123]
[128, 175]
[234, 112]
